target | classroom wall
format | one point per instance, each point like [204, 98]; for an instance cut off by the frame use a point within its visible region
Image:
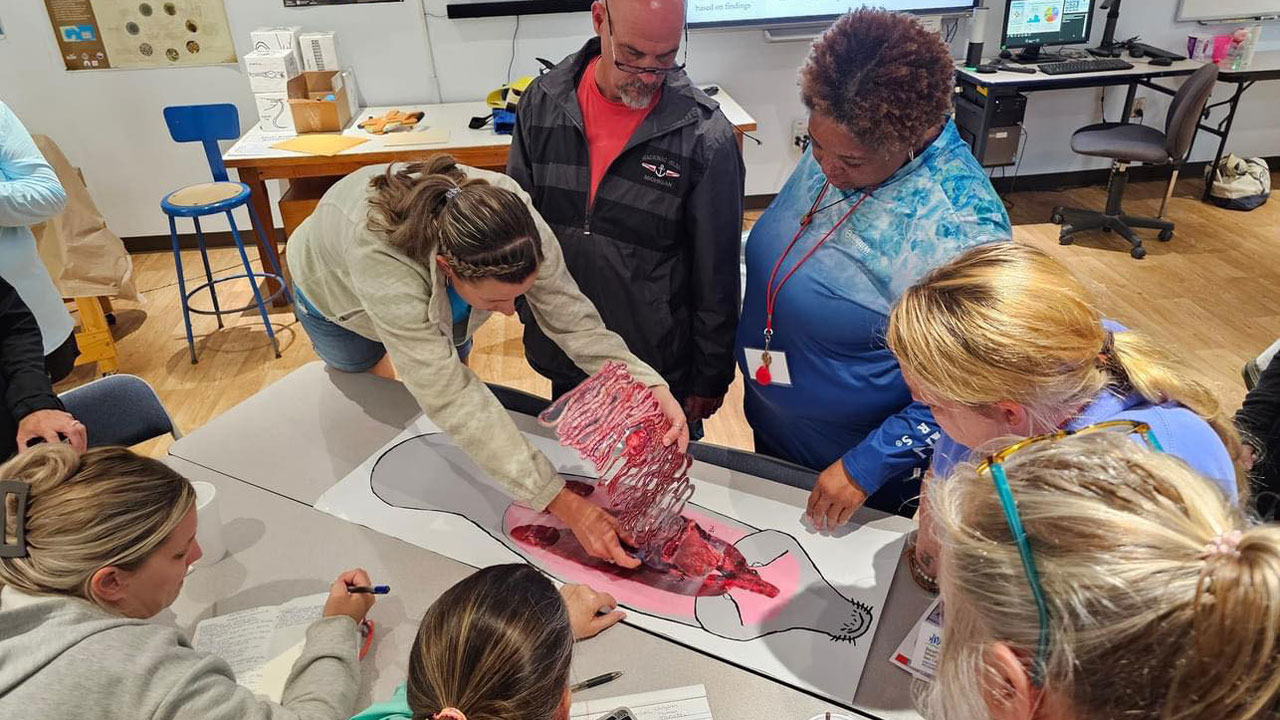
[109, 122]
[1053, 116]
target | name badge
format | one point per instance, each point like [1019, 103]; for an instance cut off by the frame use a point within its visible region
[778, 371]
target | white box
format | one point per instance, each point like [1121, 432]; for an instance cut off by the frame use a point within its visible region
[353, 96]
[278, 38]
[270, 72]
[274, 113]
[319, 51]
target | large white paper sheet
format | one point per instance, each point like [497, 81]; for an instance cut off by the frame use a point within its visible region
[813, 636]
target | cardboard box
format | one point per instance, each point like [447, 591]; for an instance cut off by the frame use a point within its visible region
[319, 51]
[270, 71]
[312, 109]
[278, 38]
[274, 113]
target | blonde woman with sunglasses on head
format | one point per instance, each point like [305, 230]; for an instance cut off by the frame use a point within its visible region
[1092, 577]
[1005, 341]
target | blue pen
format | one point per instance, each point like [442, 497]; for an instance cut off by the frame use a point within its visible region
[366, 590]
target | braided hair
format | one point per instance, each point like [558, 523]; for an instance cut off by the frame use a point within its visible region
[433, 208]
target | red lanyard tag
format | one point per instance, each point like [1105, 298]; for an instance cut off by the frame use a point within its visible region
[763, 376]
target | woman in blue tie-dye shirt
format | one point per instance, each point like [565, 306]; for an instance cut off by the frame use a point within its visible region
[887, 192]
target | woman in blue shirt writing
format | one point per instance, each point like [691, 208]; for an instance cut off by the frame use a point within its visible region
[1003, 341]
[887, 192]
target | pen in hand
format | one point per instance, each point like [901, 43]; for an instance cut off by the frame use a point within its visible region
[367, 590]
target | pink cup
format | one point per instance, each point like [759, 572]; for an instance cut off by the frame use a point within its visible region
[1221, 48]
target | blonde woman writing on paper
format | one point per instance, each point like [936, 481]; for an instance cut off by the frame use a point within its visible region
[109, 537]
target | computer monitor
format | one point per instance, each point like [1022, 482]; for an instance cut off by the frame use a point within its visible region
[1029, 25]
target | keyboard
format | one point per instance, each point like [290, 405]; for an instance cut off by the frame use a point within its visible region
[1072, 67]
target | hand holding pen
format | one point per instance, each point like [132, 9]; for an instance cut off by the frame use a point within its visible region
[344, 601]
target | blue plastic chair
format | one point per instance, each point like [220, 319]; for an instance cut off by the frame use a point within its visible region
[207, 124]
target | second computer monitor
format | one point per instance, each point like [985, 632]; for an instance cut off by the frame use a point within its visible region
[1032, 24]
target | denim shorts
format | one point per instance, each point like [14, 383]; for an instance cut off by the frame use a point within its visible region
[337, 346]
[340, 348]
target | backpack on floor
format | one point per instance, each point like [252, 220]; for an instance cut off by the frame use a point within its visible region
[1239, 183]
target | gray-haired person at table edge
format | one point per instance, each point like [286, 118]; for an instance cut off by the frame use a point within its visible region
[109, 536]
[397, 268]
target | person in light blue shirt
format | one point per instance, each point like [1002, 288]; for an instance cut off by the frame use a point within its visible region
[29, 194]
[1003, 342]
[886, 192]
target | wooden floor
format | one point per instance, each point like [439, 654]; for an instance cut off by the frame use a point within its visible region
[1212, 296]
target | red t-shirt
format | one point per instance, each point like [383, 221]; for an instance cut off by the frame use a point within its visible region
[609, 125]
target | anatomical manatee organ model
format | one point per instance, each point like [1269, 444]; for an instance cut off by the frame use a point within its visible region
[700, 568]
[730, 572]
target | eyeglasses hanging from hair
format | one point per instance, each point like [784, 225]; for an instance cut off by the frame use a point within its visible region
[642, 70]
[994, 466]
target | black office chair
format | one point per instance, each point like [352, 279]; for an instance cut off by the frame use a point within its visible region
[1127, 143]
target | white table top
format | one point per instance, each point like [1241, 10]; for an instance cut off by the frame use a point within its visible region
[1142, 67]
[276, 435]
[1267, 62]
[453, 117]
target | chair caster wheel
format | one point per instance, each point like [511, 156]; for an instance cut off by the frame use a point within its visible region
[1056, 218]
[1106, 228]
[1138, 253]
[1165, 235]
[111, 318]
[1064, 237]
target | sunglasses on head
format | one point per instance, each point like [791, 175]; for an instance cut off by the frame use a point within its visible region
[994, 466]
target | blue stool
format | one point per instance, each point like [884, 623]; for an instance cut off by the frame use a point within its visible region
[207, 124]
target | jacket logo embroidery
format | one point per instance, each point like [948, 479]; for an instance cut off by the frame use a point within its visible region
[660, 170]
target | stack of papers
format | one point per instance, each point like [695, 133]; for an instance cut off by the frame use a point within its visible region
[686, 703]
[262, 644]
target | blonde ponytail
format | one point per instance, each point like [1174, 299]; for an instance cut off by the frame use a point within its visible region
[429, 208]
[1164, 601]
[1150, 373]
[1008, 322]
[107, 507]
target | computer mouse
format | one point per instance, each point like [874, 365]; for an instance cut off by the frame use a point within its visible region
[1005, 54]
[1137, 52]
[986, 70]
[1161, 61]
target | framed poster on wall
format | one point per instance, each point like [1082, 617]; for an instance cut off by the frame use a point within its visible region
[101, 34]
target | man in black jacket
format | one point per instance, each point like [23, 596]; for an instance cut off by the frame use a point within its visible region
[31, 410]
[1259, 422]
[641, 177]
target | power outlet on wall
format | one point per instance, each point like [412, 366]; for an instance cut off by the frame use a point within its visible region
[1139, 108]
[800, 134]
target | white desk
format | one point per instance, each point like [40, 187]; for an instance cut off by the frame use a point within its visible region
[1265, 66]
[278, 451]
[1142, 68]
[977, 91]
[256, 161]
[488, 147]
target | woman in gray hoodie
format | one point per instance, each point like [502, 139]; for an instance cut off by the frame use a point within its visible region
[95, 544]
